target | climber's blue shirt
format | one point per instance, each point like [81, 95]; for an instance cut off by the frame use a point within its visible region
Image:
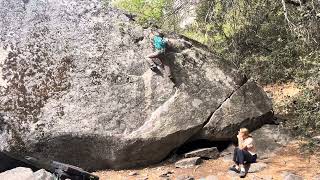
[159, 43]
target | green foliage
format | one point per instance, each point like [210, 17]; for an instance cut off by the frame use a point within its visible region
[257, 38]
[305, 112]
[196, 35]
[147, 11]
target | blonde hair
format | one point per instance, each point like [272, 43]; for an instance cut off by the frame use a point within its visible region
[245, 131]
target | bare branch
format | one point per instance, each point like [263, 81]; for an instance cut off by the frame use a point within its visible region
[286, 13]
[209, 11]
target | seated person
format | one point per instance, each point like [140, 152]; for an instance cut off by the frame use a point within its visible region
[244, 153]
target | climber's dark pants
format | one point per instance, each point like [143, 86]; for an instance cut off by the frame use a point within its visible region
[243, 156]
[161, 56]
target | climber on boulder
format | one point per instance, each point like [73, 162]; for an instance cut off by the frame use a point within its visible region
[159, 44]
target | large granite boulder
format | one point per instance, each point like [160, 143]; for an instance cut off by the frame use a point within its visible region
[75, 87]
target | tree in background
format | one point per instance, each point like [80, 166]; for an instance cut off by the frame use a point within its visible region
[270, 40]
[146, 10]
[166, 14]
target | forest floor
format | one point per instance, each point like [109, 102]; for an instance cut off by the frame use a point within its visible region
[287, 159]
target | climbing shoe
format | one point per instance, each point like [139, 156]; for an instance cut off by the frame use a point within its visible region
[172, 79]
[234, 168]
[242, 174]
[153, 67]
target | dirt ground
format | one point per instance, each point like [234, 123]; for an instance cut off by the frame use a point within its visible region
[287, 158]
[281, 92]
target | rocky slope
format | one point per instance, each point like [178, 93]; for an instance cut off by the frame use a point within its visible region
[76, 88]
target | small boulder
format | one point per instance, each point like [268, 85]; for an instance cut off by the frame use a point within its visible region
[291, 176]
[211, 153]
[18, 173]
[133, 173]
[188, 162]
[256, 167]
[43, 175]
[166, 174]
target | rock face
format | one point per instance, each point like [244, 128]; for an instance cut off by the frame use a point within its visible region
[188, 162]
[75, 87]
[269, 138]
[246, 107]
[186, 11]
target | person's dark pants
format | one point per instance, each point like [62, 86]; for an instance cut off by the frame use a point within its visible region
[162, 57]
[243, 156]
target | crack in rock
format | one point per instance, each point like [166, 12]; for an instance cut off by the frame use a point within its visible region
[208, 119]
